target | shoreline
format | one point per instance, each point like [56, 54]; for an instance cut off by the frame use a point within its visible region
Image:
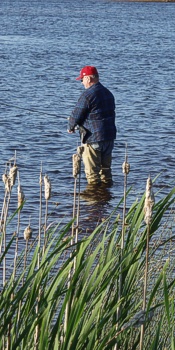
[143, 1]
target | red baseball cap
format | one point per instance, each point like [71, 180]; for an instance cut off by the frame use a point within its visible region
[87, 70]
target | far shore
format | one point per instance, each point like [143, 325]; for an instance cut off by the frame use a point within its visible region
[143, 0]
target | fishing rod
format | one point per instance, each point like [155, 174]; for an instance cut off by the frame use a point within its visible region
[30, 110]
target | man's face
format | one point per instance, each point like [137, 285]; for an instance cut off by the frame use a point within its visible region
[86, 81]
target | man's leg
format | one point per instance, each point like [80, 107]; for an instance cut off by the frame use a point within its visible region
[92, 164]
[106, 160]
[106, 175]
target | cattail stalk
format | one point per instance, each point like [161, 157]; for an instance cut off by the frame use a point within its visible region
[6, 182]
[21, 198]
[76, 207]
[80, 150]
[76, 160]
[36, 337]
[148, 211]
[126, 169]
[27, 237]
[40, 217]
[47, 187]
[9, 181]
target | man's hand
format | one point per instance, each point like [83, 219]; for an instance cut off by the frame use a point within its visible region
[70, 131]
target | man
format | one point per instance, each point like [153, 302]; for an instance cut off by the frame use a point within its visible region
[94, 114]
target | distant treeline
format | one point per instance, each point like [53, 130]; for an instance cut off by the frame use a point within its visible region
[144, 0]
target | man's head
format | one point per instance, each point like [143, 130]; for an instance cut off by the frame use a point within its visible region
[88, 76]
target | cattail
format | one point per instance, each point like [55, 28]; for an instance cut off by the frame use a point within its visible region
[9, 180]
[126, 168]
[13, 174]
[149, 202]
[4, 178]
[76, 164]
[21, 196]
[28, 233]
[76, 159]
[148, 208]
[47, 185]
[6, 182]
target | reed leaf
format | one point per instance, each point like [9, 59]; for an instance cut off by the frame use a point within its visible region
[166, 298]
[155, 342]
[156, 286]
[172, 324]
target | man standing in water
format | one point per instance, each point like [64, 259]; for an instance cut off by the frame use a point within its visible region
[94, 114]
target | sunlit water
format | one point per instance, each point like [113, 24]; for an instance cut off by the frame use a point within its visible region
[43, 45]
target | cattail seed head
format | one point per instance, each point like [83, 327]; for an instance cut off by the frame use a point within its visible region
[4, 178]
[13, 174]
[21, 196]
[28, 233]
[6, 182]
[76, 164]
[47, 185]
[149, 202]
[126, 168]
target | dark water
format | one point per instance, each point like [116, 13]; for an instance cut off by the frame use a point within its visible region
[43, 45]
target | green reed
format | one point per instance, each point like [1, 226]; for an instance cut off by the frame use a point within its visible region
[34, 299]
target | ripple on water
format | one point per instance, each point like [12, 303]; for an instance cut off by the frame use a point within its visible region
[42, 50]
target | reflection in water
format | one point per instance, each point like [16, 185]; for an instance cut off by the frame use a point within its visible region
[94, 202]
[96, 194]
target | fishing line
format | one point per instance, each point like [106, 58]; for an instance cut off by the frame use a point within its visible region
[30, 110]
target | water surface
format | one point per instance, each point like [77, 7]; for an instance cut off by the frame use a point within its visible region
[43, 46]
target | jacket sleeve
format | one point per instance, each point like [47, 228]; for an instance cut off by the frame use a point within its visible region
[79, 114]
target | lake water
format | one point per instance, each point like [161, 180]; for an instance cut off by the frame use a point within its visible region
[43, 46]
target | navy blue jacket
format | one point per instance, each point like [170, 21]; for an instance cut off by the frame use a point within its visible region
[94, 113]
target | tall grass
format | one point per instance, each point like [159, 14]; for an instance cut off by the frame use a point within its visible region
[33, 301]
